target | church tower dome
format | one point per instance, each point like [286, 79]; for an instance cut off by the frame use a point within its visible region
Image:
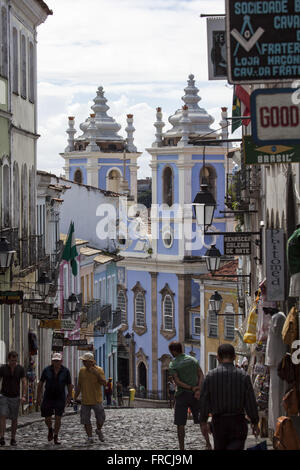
[200, 120]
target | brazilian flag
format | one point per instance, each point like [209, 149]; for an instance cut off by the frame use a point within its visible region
[236, 112]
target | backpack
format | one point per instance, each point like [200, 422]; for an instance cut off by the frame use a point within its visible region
[290, 402]
[285, 437]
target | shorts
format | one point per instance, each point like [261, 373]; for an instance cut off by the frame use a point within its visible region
[9, 407]
[182, 402]
[52, 407]
[85, 413]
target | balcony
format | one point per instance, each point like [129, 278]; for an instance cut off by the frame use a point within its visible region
[12, 236]
[95, 312]
[242, 186]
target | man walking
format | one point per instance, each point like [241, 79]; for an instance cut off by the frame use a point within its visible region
[188, 377]
[90, 381]
[108, 390]
[227, 394]
[56, 378]
[12, 374]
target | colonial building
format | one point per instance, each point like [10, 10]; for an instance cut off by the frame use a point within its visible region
[19, 20]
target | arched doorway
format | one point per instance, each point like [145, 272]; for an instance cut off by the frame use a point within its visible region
[142, 374]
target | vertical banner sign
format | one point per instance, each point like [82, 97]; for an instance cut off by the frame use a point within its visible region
[275, 252]
[263, 40]
[216, 49]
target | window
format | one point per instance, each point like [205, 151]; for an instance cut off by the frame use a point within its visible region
[78, 176]
[31, 73]
[15, 83]
[229, 327]
[140, 310]
[212, 361]
[4, 43]
[208, 176]
[168, 312]
[23, 67]
[122, 306]
[197, 329]
[212, 324]
[66, 282]
[168, 186]
[113, 181]
[168, 238]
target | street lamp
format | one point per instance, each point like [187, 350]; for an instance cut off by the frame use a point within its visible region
[204, 207]
[72, 302]
[44, 284]
[6, 255]
[212, 259]
[216, 302]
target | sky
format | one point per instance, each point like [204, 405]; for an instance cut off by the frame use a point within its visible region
[140, 51]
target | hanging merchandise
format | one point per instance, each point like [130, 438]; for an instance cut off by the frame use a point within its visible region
[290, 402]
[286, 370]
[250, 333]
[263, 321]
[32, 343]
[290, 327]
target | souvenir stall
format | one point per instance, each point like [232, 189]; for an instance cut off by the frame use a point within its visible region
[264, 332]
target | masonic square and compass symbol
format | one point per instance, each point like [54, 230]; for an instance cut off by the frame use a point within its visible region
[247, 38]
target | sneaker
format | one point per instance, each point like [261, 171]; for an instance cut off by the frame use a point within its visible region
[13, 442]
[50, 434]
[2, 441]
[100, 435]
[56, 441]
[90, 440]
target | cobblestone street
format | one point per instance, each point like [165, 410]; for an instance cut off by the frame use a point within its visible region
[124, 429]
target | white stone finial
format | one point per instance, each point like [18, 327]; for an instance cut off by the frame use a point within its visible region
[224, 124]
[130, 130]
[184, 123]
[159, 124]
[92, 136]
[71, 132]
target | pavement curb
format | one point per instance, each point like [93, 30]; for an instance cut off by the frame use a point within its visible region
[37, 420]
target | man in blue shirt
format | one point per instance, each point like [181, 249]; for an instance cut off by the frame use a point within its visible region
[57, 378]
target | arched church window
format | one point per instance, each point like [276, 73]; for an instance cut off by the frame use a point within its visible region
[78, 176]
[168, 186]
[113, 181]
[140, 309]
[122, 306]
[168, 313]
[208, 175]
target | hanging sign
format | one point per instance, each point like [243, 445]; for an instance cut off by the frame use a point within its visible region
[68, 324]
[11, 297]
[263, 40]
[37, 308]
[275, 116]
[46, 316]
[75, 342]
[268, 154]
[58, 342]
[88, 347]
[53, 324]
[216, 49]
[236, 244]
[275, 251]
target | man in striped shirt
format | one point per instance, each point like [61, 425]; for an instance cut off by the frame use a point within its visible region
[227, 394]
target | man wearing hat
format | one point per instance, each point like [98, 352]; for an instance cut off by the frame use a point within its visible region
[56, 378]
[90, 381]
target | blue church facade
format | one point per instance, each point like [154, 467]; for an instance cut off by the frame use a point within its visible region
[154, 288]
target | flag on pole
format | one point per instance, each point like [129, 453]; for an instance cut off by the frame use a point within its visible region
[70, 251]
[240, 106]
[236, 112]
